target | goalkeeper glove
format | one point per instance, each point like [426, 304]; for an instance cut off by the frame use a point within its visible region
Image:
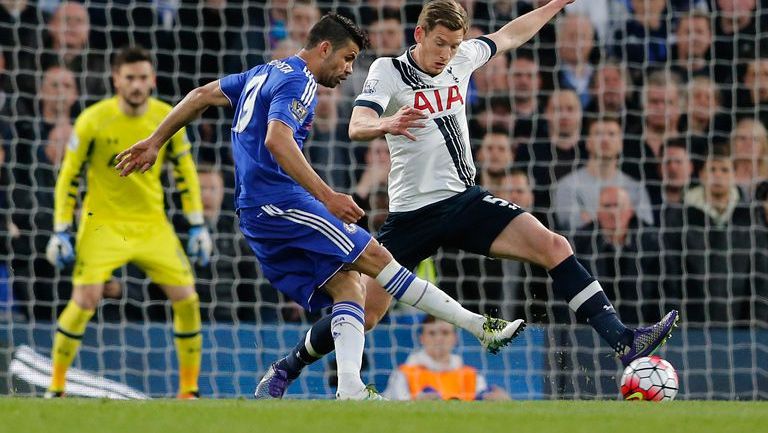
[59, 251]
[199, 245]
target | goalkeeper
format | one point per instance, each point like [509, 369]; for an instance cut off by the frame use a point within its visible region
[123, 219]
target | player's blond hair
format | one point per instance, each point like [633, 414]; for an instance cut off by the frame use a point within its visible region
[446, 13]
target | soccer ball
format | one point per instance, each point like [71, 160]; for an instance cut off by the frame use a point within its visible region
[649, 378]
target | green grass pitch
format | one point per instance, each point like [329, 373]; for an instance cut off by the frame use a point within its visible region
[71, 415]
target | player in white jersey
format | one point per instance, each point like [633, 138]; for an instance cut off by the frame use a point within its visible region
[417, 101]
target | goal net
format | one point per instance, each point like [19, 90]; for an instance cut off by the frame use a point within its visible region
[635, 128]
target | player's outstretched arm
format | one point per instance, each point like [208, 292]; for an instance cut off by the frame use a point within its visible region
[283, 147]
[142, 155]
[521, 29]
[366, 125]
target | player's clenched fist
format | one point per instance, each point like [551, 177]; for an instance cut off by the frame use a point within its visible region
[139, 157]
[344, 207]
[406, 117]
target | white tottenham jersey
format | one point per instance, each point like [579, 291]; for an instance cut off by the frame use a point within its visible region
[439, 164]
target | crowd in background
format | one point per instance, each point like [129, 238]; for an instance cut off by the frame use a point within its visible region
[635, 127]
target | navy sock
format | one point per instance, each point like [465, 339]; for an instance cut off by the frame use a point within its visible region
[586, 298]
[315, 344]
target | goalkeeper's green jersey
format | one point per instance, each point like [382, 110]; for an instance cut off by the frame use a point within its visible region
[100, 133]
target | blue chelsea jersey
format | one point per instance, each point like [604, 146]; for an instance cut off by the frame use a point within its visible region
[281, 90]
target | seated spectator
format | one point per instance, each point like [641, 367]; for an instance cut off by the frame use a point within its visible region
[302, 15]
[712, 247]
[228, 282]
[435, 373]
[21, 24]
[704, 120]
[752, 97]
[370, 192]
[623, 252]
[491, 79]
[559, 150]
[575, 41]
[494, 158]
[693, 45]
[738, 37]
[577, 198]
[675, 169]
[749, 148]
[662, 106]
[526, 90]
[491, 113]
[602, 14]
[611, 95]
[67, 44]
[642, 41]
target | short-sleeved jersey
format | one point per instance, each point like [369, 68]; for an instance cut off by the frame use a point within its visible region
[439, 164]
[281, 90]
[100, 133]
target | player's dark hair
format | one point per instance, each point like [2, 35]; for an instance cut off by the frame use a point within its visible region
[337, 30]
[130, 55]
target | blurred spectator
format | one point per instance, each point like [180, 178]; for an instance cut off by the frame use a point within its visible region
[226, 287]
[494, 158]
[714, 244]
[21, 24]
[37, 155]
[749, 149]
[67, 44]
[752, 98]
[8, 232]
[491, 79]
[611, 95]
[326, 151]
[704, 120]
[603, 15]
[737, 36]
[372, 184]
[642, 41]
[662, 103]
[693, 45]
[676, 169]
[491, 113]
[558, 152]
[577, 197]
[526, 90]
[302, 15]
[622, 251]
[278, 18]
[575, 41]
[435, 373]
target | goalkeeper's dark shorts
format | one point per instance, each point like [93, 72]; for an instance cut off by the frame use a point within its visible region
[469, 221]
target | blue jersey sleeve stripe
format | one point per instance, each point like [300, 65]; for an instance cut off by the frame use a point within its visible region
[370, 104]
[490, 43]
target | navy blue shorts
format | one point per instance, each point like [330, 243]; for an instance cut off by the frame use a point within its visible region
[300, 246]
[469, 221]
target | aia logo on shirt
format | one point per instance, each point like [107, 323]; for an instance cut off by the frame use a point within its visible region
[437, 100]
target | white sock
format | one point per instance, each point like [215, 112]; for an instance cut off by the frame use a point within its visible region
[406, 287]
[349, 339]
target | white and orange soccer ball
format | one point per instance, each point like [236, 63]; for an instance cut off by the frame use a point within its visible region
[649, 378]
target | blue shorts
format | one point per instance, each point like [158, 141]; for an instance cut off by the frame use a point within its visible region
[300, 246]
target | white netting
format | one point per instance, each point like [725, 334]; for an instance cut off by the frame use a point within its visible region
[684, 73]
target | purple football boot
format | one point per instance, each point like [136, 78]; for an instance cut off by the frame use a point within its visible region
[647, 340]
[274, 383]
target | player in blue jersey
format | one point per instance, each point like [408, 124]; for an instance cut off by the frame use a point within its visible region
[303, 232]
